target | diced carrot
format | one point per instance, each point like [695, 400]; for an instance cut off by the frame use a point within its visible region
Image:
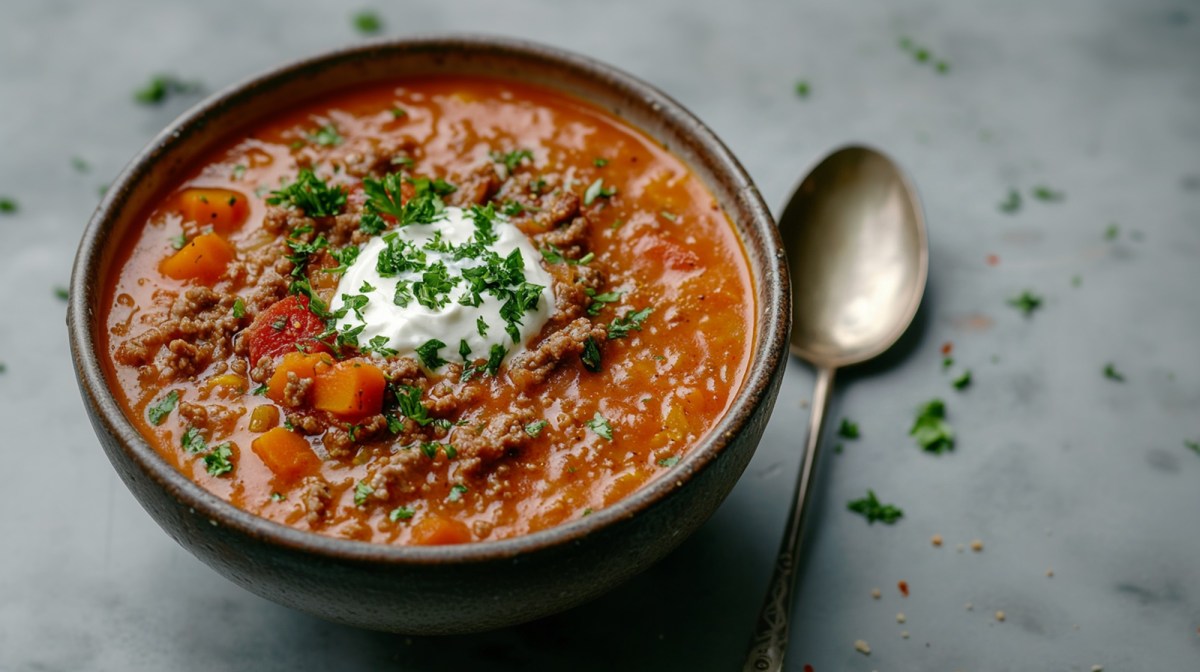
[287, 454]
[204, 258]
[350, 389]
[440, 531]
[222, 209]
[303, 365]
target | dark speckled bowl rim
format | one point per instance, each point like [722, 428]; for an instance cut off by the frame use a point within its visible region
[771, 286]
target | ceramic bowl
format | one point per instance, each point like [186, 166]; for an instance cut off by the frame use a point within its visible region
[446, 589]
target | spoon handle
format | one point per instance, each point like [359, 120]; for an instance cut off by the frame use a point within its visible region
[771, 635]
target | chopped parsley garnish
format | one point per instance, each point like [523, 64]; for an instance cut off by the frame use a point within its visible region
[597, 190]
[345, 257]
[848, 430]
[1044, 193]
[383, 196]
[361, 492]
[408, 401]
[160, 87]
[1192, 445]
[238, 171]
[512, 208]
[216, 462]
[947, 362]
[80, 164]
[428, 352]
[511, 160]
[962, 382]
[159, 410]
[669, 461]
[1012, 204]
[277, 497]
[7, 205]
[1112, 232]
[367, 22]
[930, 429]
[378, 345]
[62, 293]
[371, 224]
[1110, 372]
[599, 162]
[630, 321]
[456, 492]
[873, 510]
[534, 429]
[193, 441]
[310, 194]
[481, 326]
[260, 390]
[398, 112]
[669, 216]
[495, 357]
[1026, 302]
[591, 355]
[802, 89]
[400, 513]
[599, 425]
[433, 289]
[239, 308]
[553, 255]
[599, 300]
[325, 136]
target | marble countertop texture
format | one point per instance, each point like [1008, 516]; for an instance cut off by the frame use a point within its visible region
[1057, 468]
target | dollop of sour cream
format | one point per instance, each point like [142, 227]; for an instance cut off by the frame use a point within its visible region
[455, 276]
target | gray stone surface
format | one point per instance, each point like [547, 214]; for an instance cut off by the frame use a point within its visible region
[1056, 466]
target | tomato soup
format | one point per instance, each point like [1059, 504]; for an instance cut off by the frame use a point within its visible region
[436, 311]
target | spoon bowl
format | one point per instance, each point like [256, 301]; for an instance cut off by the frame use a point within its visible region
[856, 246]
[858, 259]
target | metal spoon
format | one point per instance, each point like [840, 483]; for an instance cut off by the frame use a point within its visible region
[857, 252]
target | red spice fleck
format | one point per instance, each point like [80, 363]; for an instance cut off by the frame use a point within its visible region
[992, 260]
[903, 586]
[947, 348]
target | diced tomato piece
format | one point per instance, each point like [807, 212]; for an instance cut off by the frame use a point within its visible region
[286, 326]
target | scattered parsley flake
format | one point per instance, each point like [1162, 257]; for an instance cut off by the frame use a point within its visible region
[160, 409]
[1193, 445]
[216, 462]
[597, 190]
[848, 429]
[8, 205]
[193, 441]
[80, 164]
[261, 390]
[599, 425]
[947, 362]
[238, 171]
[873, 510]
[1110, 372]
[277, 497]
[511, 160]
[239, 308]
[534, 429]
[1044, 193]
[400, 513]
[930, 429]
[398, 112]
[599, 162]
[591, 355]
[361, 492]
[62, 293]
[599, 300]
[481, 326]
[1112, 232]
[325, 136]
[962, 382]
[802, 89]
[631, 321]
[669, 461]
[1026, 302]
[408, 400]
[1012, 204]
[495, 357]
[367, 22]
[669, 216]
[456, 492]
[942, 67]
[160, 87]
